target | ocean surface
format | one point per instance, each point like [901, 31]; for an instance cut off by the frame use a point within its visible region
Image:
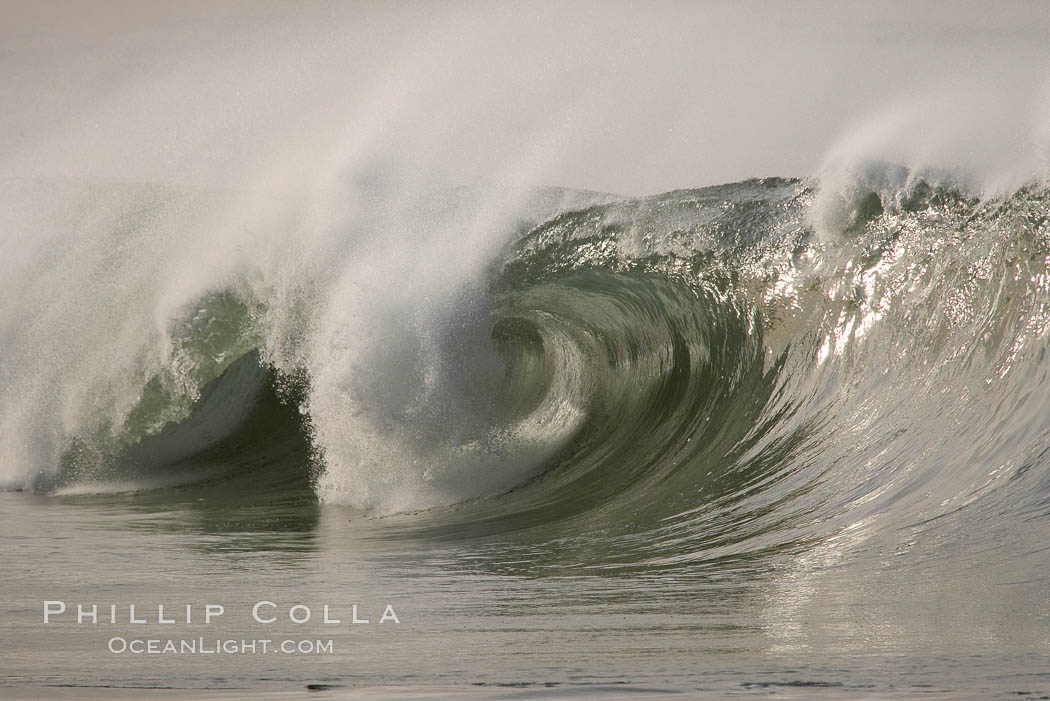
[776, 438]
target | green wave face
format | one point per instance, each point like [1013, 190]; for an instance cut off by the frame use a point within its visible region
[697, 376]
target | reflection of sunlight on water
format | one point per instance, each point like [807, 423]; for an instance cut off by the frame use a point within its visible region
[863, 296]
[797, 600]
[868, 591]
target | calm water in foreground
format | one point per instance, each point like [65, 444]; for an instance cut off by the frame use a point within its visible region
[482, 616]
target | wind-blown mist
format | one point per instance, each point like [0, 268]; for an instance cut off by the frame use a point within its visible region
[599, 96]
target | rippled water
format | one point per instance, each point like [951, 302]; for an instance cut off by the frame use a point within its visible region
[496, 615]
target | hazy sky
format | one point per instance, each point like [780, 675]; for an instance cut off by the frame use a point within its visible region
[626, 97]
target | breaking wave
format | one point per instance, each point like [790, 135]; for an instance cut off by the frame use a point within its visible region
[699, 374]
